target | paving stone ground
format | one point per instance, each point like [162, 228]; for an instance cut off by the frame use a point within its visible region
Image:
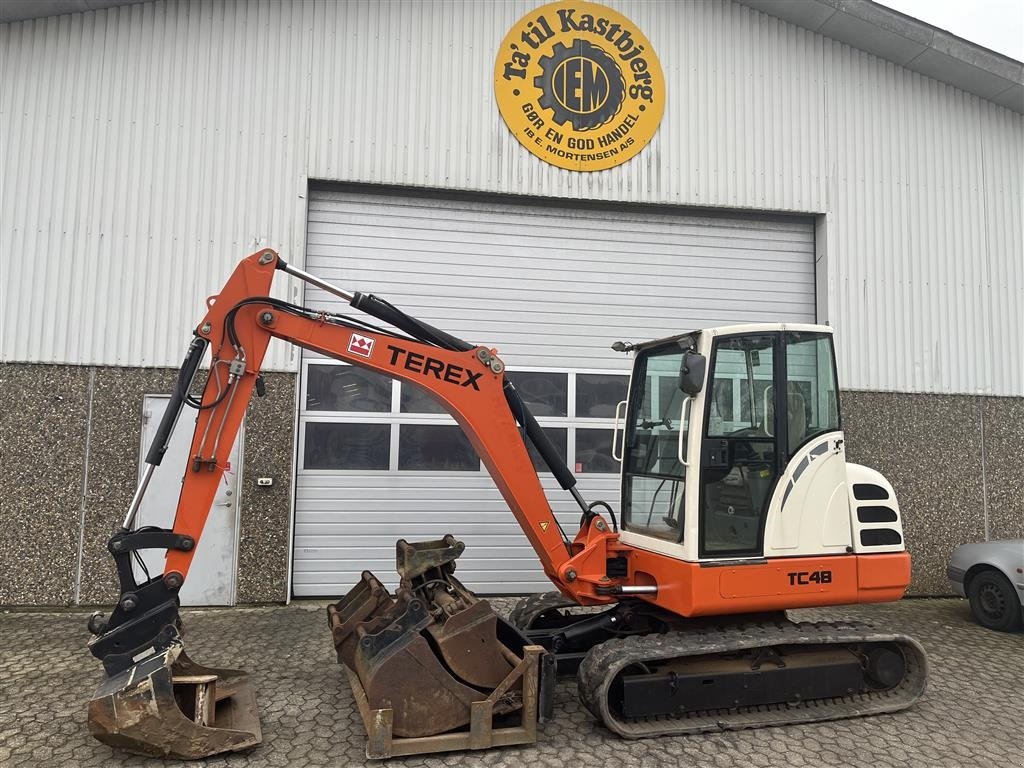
[971, 714]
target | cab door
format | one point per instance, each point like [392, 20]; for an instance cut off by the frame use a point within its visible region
[810, 512]
[741, 459]
[653, 476]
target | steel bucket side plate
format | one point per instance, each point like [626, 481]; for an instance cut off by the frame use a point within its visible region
[424, 696]
[468, 642]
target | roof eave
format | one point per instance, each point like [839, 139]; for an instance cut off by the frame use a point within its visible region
[909, 42]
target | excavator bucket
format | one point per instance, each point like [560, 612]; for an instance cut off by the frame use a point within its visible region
[366, 600]
[429, 651]
[169, 706]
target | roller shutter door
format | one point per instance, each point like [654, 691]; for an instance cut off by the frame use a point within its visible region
[551, 287]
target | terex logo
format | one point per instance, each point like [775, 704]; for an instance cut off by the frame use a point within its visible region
[453, 374]
[360, 345]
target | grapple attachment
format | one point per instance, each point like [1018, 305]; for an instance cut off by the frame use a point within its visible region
[432, 649]
[167, 705]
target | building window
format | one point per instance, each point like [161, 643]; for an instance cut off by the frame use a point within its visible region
[377, 423]
[347, 388]
[418, 400]
[594, 451]
[435, 447]
[545, 394]
[597, 394]
[341, 445]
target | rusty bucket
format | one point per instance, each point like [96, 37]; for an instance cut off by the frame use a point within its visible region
[169, 706]
[429, 651]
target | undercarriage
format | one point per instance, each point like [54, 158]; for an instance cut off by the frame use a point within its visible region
[644, 672]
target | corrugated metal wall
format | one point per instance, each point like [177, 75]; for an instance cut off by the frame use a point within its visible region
[548, 288]
[147, 147]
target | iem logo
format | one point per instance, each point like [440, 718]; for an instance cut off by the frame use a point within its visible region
[579, 86]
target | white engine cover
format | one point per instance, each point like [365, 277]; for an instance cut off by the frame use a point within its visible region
[874, 511]
[809, 513]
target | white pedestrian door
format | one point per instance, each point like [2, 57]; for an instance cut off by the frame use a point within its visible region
[211, 579]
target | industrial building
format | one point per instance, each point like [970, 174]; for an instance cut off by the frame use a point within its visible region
[696, 164]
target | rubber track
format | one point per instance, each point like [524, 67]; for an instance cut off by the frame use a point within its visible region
[527, 609]
[606, 660]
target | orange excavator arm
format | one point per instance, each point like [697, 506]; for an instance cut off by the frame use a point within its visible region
[467, 380]
[469, 384]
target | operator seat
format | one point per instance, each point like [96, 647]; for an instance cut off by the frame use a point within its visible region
[797, 418]
[796, 415]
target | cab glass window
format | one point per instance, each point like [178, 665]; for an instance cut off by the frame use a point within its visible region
[811, 392]
[654, 478]
[738, 462]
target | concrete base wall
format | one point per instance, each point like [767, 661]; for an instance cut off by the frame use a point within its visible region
[71, 449]
[70, 464]
[955, 462]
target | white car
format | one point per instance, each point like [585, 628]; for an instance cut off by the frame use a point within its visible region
[990, 575]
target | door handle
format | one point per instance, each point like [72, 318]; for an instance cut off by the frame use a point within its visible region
[684, 424]
[615, 432]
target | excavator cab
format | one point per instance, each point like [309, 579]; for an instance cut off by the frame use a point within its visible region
[714, 420]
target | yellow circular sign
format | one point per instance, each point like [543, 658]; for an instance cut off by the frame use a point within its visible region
[579, 86]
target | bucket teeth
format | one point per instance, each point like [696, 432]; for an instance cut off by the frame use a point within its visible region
[170, 706]
[429, 651]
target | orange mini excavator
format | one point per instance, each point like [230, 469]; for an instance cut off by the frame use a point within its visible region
[737, 503]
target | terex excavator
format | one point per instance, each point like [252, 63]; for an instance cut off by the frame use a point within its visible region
[737, 503]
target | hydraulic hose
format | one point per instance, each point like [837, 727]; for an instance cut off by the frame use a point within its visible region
[384, 310]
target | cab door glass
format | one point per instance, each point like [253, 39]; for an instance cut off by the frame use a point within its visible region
[653, 477]
[811, 393]
[738, 458]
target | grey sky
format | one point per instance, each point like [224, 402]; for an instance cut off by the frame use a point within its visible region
[995, 24]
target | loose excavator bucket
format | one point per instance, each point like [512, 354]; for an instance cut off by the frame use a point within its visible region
[167, 705]
[430, 650]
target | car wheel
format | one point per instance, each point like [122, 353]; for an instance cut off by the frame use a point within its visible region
[993, 601]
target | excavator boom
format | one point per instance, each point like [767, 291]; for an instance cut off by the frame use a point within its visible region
[467, 380]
